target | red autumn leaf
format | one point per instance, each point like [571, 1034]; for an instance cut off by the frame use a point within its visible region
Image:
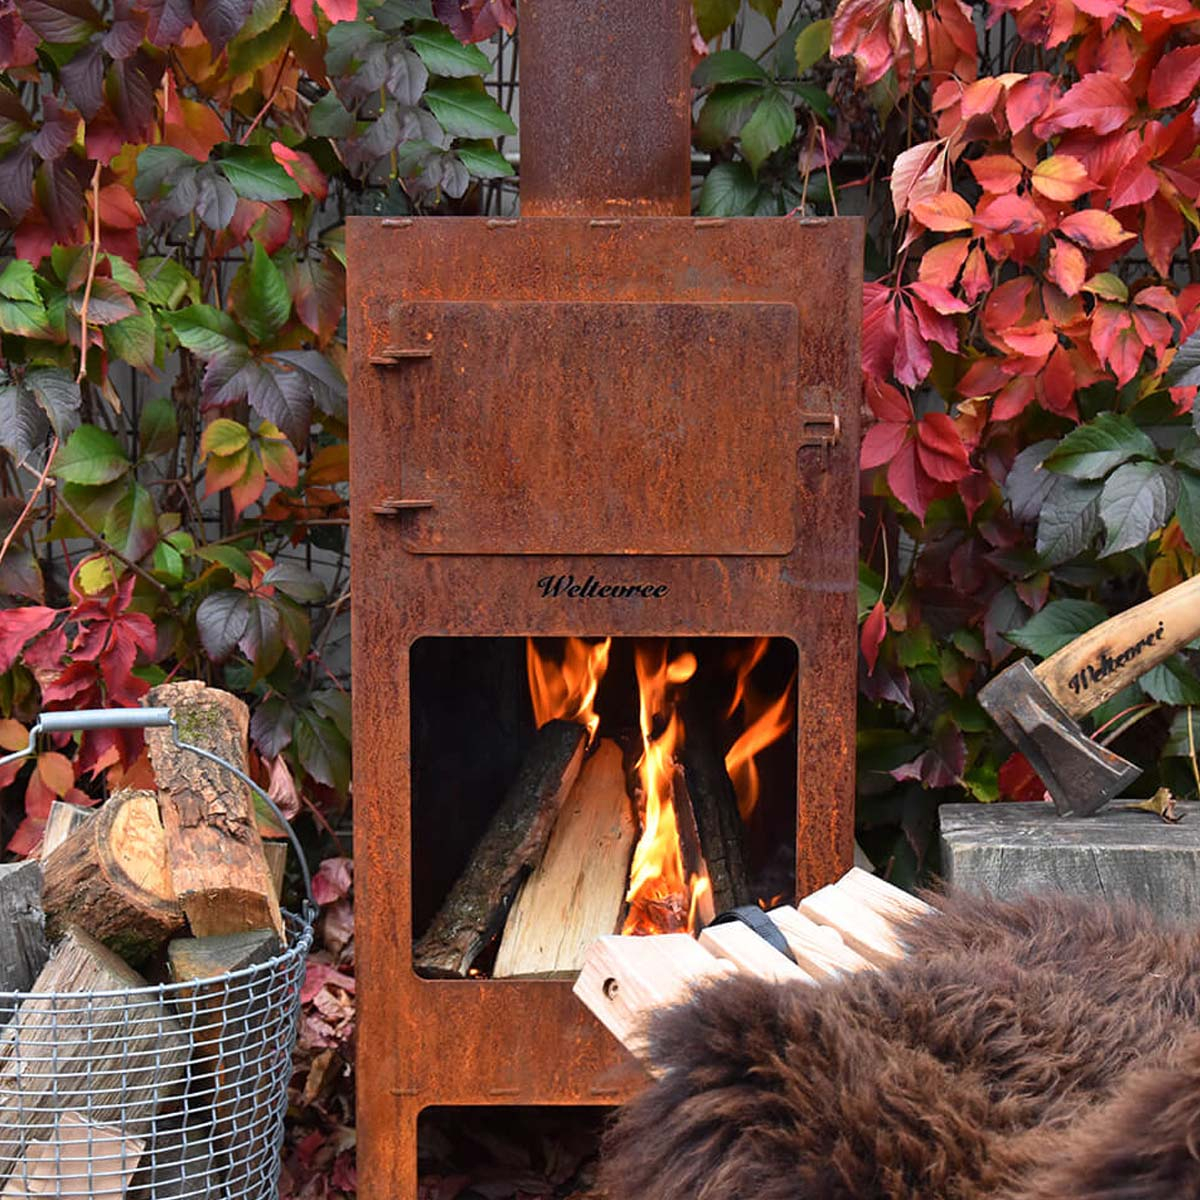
[1027, 100]
[981, 97]
[1162, 231]
[888, 403]
[1099, 101]
[909, 482]
[938, 298]
[1174, 77]
[879, 330]
[1115, 341]
[1008, 214]
[934, 325]
[1058, 382]
[940, 450]
[1061, 177]
[189, 125]
[1135, 184]
[1013, 398]
[333, 880]
[976, 278]
[881, 443]
[1019, 781]
[997, 173]
[941, 264]
[20, 625]
[1094, 229]
[947, 212]
[1067, 268]
[913, 359]
[305, 13]
[918, 174]
[56, 772]
[302, 169]
[873, 632]
[475, 20]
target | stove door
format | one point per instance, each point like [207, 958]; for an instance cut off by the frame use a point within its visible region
[594, 428]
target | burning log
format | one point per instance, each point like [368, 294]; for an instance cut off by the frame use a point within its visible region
[577, 892]
[514, 843]
[213, 846]
[110, 878]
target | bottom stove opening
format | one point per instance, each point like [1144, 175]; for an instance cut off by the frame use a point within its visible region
[509, 1153]
[564, 788]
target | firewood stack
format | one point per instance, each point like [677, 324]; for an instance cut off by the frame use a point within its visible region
[166, 886]
[853, 925]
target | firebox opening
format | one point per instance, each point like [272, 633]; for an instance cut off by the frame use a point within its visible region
[568, 787]
[509, 1151]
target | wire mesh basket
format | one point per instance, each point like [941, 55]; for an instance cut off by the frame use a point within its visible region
[173, 1091]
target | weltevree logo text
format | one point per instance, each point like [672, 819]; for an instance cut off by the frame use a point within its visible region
[592, 588]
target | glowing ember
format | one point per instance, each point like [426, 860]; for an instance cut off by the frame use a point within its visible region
[567, 690]
[766, 722]
[663, 897]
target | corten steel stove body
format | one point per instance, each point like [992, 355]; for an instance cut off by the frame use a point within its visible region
[542, 409]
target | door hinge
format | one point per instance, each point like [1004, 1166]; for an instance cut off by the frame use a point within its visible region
[820, 429]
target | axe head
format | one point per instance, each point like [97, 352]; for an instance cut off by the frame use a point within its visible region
[1081, 776]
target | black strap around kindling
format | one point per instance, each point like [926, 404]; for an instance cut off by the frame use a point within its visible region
[752, 915]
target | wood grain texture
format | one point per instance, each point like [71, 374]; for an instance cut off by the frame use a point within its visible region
[63, 820]
[214, 849]
[740, 945]
[23, 946]
[80, 1160]
[110, 878]
[577, 892]
[1099, 663]
[110, 1058]
[1011, 850]
[514, 842]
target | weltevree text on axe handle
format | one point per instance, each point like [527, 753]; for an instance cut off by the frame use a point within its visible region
[1099, 663]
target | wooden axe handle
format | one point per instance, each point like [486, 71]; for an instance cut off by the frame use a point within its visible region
[1099, 663]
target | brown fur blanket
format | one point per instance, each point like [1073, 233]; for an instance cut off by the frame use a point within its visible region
[1038, 1050]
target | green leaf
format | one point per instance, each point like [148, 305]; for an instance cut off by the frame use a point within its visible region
[483, 160]
[730, 190]
[1058, 624]
[1171, 683]
[713, 17]
[18, 281]
[25, 318]
[727, 66]
[167, 283]
[133, 341]
[723, 114]
[206, 331]
[154, 164]
[443, 54]
[1108, 287]
[1184, 370]
[235, 561]
[158, 430]
[131, 525]
[815, 98]
[224, 437]
[329, 118]
[812, 44]
[255, 175]
[1092, 450]
[221, 621]
[771, 127]
[1187, 508]
[261, 297]
[768, 8]
[1184, 736]
[1138, 498]
[322, 750]
[294, 581]
[1069, 520]
[91, 456]
[168, 563]
[464, 111]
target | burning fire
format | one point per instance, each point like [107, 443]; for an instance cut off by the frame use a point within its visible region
[567, 689]
[766, 721]
[664, 895]
[669, 888]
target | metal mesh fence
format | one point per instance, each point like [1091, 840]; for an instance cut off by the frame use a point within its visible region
[169, 1092]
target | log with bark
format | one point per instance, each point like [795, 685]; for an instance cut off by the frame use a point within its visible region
[214, 850]
[722, 833]
[23, 948]
[577, 892]
[110, 1058]
[110, 879]
[513, 844]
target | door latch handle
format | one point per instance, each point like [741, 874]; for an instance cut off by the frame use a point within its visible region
[820, 429]
[393, 506]
[395, 356]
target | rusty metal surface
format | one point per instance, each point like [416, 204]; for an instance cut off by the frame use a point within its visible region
[513, 1042]
[543, 428]
[605, 108]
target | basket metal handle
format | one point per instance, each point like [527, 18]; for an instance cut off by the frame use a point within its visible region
[87, 719]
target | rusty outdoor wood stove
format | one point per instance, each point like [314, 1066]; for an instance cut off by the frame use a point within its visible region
[606, 389]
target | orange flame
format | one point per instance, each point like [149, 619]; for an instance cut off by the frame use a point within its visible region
[567, 690]
[745, 665]
[766, 723]
[664, 897]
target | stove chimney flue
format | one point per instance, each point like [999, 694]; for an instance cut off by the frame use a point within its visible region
[605, 108]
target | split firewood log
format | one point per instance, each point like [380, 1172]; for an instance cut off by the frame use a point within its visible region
[214, 851]
[513, 844]
[79, 1160]
[577, 892]
[63, 820]
[110, 879]
[23, 948]
[110, 1058]
[722, 833]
